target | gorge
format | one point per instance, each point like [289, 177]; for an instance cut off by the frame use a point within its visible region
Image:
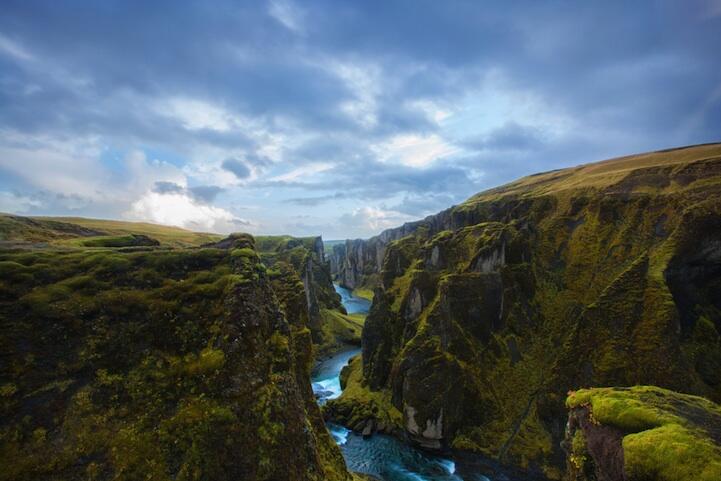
[563, 326]
[486, 314]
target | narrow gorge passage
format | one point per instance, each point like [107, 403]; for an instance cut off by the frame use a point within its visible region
[380, 455]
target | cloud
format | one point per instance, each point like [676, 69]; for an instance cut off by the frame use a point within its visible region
[287, 14]
[373, 219]
[414, 150]
[163, 187]
[421, 205]
[205, 193]
[201, 193]
[17, 204]
[180, 209]
[286, 105]
[11, 48]
[238, 168]
[314, 201]
[510, 136]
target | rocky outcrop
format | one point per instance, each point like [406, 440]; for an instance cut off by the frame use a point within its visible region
[642, 433]
[486, 314]
[292, 261]
[165, 364]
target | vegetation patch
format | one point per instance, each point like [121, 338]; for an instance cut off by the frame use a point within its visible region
[668, 435]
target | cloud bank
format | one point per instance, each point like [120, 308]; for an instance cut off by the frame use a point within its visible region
[334, 118]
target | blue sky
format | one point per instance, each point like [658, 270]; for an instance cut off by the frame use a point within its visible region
[334, 117]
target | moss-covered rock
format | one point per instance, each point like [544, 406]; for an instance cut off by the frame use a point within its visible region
[165, 364]
[361, 408]
[642, 433]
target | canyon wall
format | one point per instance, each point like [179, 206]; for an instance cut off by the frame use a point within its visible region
[142, 363]
[485, 315]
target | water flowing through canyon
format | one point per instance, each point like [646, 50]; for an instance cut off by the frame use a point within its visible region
[380, 455]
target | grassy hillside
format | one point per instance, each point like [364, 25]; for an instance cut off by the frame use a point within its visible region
[660, 172]
[77, 231]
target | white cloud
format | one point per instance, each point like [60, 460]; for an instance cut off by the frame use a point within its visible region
[17, 204]
[432, 110]
[181, 210]
[303, 172]
[67, 166]
[287, 14]
[14, 49]
[496, 104]
[373, 220]
[364, 82]
[414, 150]
[195, 114]
[145, 173]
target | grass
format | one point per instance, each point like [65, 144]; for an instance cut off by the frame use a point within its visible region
[667, 433]
[602, 174]
[66, 231]
[339, 329]
[358, 403]
[363, 293]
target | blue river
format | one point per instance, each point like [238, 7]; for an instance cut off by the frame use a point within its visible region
[383, 456]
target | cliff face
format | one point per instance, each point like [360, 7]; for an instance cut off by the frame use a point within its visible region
[358, 262]
[298, 266]
[642, 433]
[486, 314]
[170, 364]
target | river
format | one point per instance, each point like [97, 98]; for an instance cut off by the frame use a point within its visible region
[383, 456]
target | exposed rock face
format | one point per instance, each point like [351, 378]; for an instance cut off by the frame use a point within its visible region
[595, 451]
[487, 313]
[642, 433]
[173, 364]
[302, 260]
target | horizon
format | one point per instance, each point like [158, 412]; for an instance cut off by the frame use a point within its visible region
[334, 119]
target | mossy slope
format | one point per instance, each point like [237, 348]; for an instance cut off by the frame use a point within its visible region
[165, 364]
[661, 435]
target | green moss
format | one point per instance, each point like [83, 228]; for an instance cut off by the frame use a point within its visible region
[138, 351]
[340, 329]
[667, 433]
[671, 452]
[245, 252]
[358, 403]
[363, 293]
[128, 240]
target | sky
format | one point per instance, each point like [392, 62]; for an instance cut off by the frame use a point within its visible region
[333, 117]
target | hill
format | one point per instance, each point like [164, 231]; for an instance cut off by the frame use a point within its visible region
[77, 231]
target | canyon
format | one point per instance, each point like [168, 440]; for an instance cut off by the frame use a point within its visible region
[563, 326]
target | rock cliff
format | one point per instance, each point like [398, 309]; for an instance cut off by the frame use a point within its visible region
[157, 364]
[486, 314]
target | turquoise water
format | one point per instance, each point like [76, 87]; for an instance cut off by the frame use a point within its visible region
[386, 457]
[352, 304]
